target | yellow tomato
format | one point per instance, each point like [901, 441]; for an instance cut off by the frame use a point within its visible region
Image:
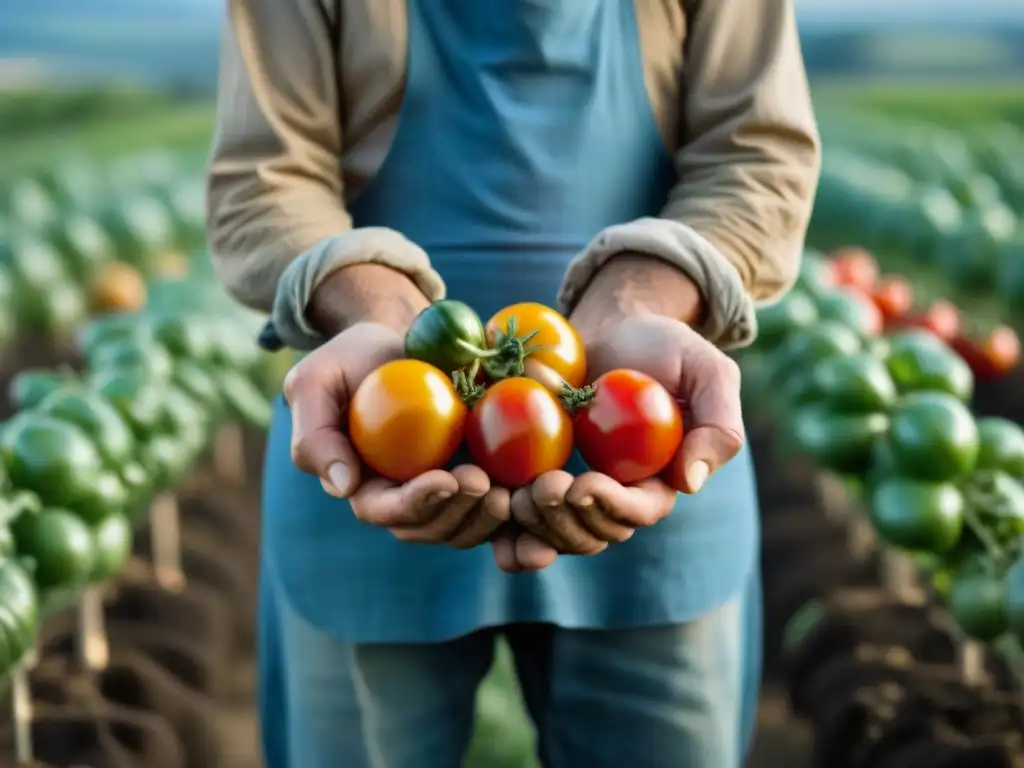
[406, 419]
[117, 287]
[560, 356]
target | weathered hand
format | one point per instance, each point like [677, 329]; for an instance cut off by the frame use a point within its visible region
[459, 508]
[582, 516]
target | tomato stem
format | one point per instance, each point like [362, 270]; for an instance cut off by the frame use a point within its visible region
[981, 532]
[475, 351]
[510, 352]
[574, 399]
[465, 384]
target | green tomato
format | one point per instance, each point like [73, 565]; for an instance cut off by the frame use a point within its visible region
[858, 383]
[836, 441]
[933, 436]
[1001, 446]
[448, 334]
[977, 604]
[917, 515]
[920, 361]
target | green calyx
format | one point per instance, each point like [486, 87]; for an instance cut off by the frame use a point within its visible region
[507, 355]
[574, 399]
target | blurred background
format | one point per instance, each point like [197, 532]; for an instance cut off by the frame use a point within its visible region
[106, 108]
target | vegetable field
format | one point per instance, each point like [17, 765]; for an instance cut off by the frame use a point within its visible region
[884, 399]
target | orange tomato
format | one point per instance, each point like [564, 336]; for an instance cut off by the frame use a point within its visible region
[117, 287]
[406, 419]
[561, 357]
[517, 432]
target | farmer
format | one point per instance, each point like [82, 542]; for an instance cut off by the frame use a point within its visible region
[648, 167]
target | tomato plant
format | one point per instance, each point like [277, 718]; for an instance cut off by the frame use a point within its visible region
[894, 298]
[855, 268]
[517, 431]
[406, 419]
[626, 425]
[990, 355]
[555, 354]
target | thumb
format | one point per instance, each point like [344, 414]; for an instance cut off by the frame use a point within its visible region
[318, 443]
[710, 391]
[318, 389]
[704, 450]
[319, 447]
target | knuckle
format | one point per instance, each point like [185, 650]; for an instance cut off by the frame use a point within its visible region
[295, 381]
[728, 370]
[495, 509]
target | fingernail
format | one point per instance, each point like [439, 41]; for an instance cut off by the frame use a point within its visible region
[697, 475]
[339, 476]
[586, 502]
[440, 496]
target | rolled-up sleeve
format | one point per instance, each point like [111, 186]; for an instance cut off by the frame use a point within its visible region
[276, 219]
[747, 167]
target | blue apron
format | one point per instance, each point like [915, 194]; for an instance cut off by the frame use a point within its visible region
[525, 129]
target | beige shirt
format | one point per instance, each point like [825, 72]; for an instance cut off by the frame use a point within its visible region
[309, 97]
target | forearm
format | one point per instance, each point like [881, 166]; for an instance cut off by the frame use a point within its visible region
[276, 218]
[365, 293]
[749, 165]
[747, 169]
[632, 284]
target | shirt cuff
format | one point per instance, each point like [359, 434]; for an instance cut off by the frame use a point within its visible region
[730, 320]
[289, 326]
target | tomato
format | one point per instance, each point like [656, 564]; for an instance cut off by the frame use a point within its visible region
[977, 604]
[855, 268]
[556, 354]
[940, 317]
[894, 298]
[917, 515]
[630, 428]
[517, 432]
[933, 436]
[1001, 446]
[992, 355]
[853, 308]
[406, 419]
[447, 334]
[1013, 598]
[920, 361]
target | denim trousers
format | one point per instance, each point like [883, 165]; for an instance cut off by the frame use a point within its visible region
[644, 697]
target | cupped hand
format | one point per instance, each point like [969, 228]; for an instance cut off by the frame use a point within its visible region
[583, 515]
[459, 508]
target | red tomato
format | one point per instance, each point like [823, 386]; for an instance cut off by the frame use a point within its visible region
[631, 429]
[559, 356]
[873, 319]
[940, 317]
[993, 355]
[517, 432]
[854, 267]
[894, 298]
[406, 419]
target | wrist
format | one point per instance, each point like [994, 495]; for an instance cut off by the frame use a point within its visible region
[634, 283]
[365, 293]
